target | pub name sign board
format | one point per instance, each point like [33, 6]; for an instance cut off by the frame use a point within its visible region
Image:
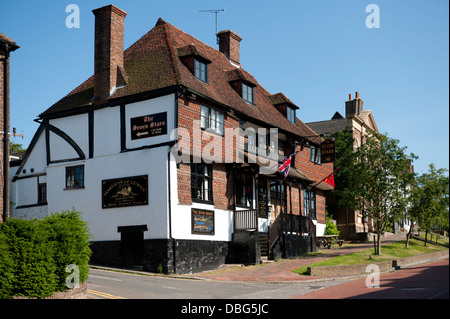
[124, 192]
[148, 125]
[328, 151]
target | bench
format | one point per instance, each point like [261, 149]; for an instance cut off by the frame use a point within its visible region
[328, 241]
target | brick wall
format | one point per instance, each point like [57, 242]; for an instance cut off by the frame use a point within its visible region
[188, 112]
[2, 127]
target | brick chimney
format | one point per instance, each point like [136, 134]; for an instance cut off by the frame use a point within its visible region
[229, 45]
[353, 106]
[109, 72]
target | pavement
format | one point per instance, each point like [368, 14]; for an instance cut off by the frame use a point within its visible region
[276, 272]
[281, 271]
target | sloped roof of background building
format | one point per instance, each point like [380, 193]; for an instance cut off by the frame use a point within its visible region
[153, 63]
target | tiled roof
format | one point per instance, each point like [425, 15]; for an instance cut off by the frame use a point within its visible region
[13, 45]
[330, 126]
[153, 62]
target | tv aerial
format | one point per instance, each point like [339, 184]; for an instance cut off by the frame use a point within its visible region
[215, 11]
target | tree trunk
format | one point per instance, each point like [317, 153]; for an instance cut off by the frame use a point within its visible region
[408, 235]
[426, 235]
[378, 244]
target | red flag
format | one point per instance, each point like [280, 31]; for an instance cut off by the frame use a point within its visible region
[330, 180]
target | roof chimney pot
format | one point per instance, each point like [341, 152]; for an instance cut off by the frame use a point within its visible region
[229, 45]
[109, 72]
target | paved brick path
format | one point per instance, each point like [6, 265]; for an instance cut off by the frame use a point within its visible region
[282, 270]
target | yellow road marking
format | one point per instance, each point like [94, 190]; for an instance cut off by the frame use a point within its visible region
[104, 294]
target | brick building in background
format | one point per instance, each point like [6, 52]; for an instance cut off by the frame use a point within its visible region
[153, 198]
[352, 224]
[7, 45]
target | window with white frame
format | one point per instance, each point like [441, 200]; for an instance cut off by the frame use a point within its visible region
[201, 70]
[290, 114]
[211, 119]
[247, 93]
[316, 155]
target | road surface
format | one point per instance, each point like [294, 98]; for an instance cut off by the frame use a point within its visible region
[426, 281]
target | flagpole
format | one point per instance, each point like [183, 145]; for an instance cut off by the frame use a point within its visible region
[325, 178]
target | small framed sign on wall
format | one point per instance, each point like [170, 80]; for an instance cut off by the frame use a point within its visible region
[202, 222]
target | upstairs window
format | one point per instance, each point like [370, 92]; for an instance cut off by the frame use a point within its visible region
[290, 114]
[316, 155]
[211, 119]
[201, 70]
[247, 93]
[75, 177]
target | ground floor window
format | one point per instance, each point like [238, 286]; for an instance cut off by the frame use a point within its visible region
[278, 197]
[309, 203]
[42, 193]
[201, 182]
[244, 190]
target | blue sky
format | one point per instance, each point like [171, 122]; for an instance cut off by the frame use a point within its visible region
[316, 52]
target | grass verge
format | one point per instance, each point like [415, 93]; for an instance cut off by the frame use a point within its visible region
[388, 252]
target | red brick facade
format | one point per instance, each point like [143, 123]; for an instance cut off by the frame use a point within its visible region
[7, 45]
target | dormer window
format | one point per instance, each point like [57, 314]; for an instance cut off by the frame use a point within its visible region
[247, 93]
[194, 61]
[201, 70]
[290, 114]
[285, 106]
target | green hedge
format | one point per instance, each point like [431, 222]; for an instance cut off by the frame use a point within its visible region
[35, 254]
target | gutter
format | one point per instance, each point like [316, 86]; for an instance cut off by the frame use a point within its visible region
[6, 134]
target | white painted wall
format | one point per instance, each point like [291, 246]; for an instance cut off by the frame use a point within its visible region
[182, 215]
[103, 223]
[60, 149]
[160, 104]
[107, 131]
[75, 126]
[37, 160]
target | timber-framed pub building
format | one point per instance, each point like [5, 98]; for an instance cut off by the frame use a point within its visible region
[170, 151]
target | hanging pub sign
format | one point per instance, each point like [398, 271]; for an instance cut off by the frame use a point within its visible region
[202, 222]
[124, 192]
[328, 151]
[148, 125]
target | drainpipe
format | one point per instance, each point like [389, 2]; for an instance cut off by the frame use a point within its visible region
[178, 93]
[6, 134]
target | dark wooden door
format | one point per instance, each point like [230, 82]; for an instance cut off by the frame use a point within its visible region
[132, 244]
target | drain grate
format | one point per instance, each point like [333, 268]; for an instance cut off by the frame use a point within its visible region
[316, 287]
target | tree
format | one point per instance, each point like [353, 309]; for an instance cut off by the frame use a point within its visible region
[430, 200]
[16, 148]
[384, 177]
